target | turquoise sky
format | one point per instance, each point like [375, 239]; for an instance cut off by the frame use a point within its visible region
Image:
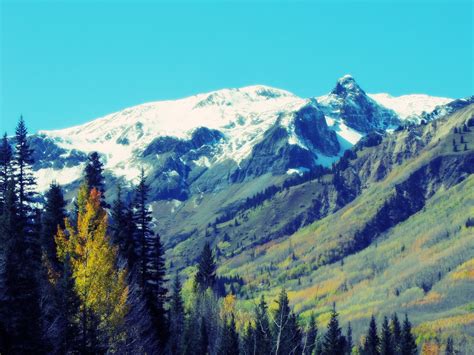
[64, 63]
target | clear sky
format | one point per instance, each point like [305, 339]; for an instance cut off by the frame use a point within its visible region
[67, 62]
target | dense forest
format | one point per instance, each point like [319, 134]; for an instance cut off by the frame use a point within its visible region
[93, 280]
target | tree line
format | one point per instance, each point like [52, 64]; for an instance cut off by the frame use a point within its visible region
[93, 280]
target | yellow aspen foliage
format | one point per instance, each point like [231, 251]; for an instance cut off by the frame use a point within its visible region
[228, 306]
[101, 287]
[430, 349]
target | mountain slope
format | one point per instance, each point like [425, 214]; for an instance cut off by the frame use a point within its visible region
[403, 243]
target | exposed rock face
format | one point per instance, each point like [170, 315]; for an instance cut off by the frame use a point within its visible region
[310, 125]
[47, 154]
[349, 102]
[443, 110]
[273, 154]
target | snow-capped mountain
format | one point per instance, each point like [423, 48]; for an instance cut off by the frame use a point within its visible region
[209, 140]
[410, 106]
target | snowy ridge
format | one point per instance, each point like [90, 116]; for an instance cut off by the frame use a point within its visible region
[410, 106]
[241, 115]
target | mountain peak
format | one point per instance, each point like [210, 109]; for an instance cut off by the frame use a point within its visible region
[346, 84]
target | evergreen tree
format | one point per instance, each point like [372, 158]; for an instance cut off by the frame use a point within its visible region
[5, 168]
[206, 275]
[151, 264]
[23, 175]
[372, 341]
[286, 334]
[249, 344]
[94, 175]
[68, 304]
[122, 228]
[229, 342]
[349, 341]
[262, 328]
[176, 318]
[53, 218]
[333, 342]
[396, 334]
[408, 344]
[21, 254]
[386, 344]
[311, 336]
[449, 347]
[203, 347]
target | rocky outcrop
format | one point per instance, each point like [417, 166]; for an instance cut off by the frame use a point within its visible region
[310, 125]
[349, 102]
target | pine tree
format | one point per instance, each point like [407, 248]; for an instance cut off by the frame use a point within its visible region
[206, 275]
[229, 342]
[349, 341]
[249, 344]
[372, 341]
[203, 347]
[396, 331]
[262, 328]
[286, 335]
[333, 342]
[386, 344]
[122, 228]
[176, 318]
[408, 344]
[68, 304]
[311, 336]
[21, 254]
[25, 182]
[151, 263]
[5, 168]
[53, 218]
[101, 288]
[449, 347]
[94, 176]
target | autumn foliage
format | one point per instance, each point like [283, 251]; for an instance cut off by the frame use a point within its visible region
[100, 285]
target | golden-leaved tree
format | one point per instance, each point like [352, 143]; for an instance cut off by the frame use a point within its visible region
[100, 285]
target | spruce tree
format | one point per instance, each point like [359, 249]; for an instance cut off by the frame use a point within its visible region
[122, 228]
[249, 344]
[286, 334]
[449, 347]
[206, 275]
[23, 175]
[333, 342]
[262, 328]
[151, 263]
[5, 168]
[396, 334]
[203, 346]
[229, 342]
[94, 175]
[53, 218]
[68, 305]
[23, 254]
[372, 341]
[311, 336]
[176, 318]
[386, 344]
[349, 341]
[408, 344]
